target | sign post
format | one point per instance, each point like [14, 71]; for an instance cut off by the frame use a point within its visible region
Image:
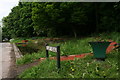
[58, 56]
[47, 55]
[54, 49]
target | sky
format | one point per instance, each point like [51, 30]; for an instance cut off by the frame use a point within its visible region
[6, 6]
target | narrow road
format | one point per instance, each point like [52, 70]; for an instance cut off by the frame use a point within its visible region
[7, 61]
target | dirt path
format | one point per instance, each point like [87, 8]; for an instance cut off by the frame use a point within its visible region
[22, 68]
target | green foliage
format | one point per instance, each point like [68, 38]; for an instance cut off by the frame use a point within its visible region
[112, 36]
[18, 23]
[29, 48]
[79, 68]
[52, 19]
[75, 46]
[28, 58]
[68, 47]
[86, 67]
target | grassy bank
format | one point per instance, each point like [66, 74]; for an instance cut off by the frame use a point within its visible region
[80, 68]
[69, 47]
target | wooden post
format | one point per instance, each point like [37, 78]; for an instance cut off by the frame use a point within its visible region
[56, 50]
[58, 57]
[47, 55]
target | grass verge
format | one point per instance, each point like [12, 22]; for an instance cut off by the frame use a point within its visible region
[74, 46]
[68, 47]
[79, 68]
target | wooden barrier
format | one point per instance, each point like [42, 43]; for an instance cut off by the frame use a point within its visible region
[54, 49]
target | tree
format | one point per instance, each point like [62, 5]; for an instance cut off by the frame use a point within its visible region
[52, 19]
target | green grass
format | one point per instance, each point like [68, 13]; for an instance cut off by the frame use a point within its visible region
[68, 47]
[79, 68]
[28, 58]
[113, 36]
[74, 46]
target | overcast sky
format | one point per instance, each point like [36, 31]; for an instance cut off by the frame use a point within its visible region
[6, 6]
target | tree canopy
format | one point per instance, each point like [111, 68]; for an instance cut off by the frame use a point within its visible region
[52, 19]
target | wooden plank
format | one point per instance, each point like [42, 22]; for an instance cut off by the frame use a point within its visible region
[54, 49]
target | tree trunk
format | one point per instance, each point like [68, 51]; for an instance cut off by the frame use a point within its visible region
[75, 33]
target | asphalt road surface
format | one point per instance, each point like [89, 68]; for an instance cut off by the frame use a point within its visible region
[7, 61]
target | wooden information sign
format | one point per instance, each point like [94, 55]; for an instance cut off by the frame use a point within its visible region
[54, 49]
